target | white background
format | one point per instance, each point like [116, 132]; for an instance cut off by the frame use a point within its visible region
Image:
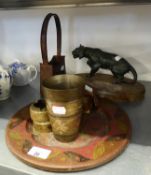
[125, 30]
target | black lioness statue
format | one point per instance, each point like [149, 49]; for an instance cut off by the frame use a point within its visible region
[100, 59]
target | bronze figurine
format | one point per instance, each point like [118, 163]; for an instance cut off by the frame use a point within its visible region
[98, 58]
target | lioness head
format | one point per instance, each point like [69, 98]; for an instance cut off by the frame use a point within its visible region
[78, 52]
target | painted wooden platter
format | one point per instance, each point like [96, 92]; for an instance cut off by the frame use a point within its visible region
[104, 134]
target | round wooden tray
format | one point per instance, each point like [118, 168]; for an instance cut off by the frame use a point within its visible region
[104, 134]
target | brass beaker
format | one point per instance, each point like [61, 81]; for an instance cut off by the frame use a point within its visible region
[64, 102]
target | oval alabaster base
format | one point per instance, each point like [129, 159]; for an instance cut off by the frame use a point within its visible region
[106, 87]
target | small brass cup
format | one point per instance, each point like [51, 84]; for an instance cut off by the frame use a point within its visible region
[64, 102]
[38, 112]
[39, 116]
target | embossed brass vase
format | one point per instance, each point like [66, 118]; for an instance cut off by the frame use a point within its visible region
[64, 102]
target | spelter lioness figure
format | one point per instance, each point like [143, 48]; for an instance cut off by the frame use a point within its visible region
[100, 59]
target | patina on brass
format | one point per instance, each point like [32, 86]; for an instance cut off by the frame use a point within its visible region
[39, 116]
[38, 112]
[63, 88]
[66, 92]
[41, 127]
[65, 129]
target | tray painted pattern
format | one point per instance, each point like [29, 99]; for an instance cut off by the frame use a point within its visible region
[104, 134]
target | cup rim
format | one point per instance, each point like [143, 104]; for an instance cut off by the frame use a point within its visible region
[53, 78]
